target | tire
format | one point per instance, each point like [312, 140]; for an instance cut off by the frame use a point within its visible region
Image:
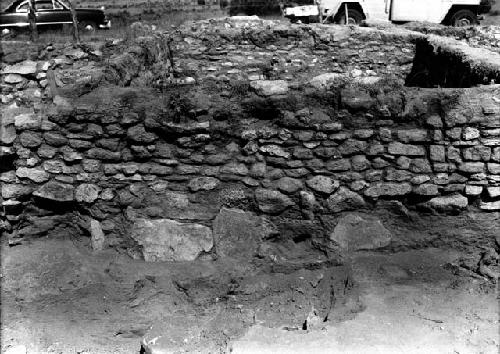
[87, 26]
[355, 17]
[463, 18]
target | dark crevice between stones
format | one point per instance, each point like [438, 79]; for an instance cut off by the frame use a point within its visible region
[7, 163]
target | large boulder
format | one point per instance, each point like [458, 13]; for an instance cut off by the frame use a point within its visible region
[355, 232]
[170, 240]
[238, 233]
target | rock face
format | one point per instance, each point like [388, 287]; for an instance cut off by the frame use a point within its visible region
[354, 232]
[169, 240]
[237, 233]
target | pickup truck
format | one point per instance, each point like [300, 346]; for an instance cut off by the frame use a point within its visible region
[449, 12]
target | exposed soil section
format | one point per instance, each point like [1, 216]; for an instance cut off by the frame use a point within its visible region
[59, 297]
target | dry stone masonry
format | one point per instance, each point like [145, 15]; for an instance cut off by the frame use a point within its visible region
[259, 125]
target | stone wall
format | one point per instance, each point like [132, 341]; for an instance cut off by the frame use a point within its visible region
[152, 171]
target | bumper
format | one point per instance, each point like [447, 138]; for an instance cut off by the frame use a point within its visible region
[301, 11]
[105, 25]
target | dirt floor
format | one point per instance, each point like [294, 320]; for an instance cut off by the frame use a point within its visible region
[60, 297]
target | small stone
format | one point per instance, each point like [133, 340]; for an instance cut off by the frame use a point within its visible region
[234, 168]
[97, 239]
[338, 165]
[471, 167]
[438, 153]
[397, 148]
[426, 189]
[324, 81]
[435, 121]
[274, 150]
[420, 166]
[55, 191]
[36, 174]
[203, 184]
[493, 192]
[269, 87]
[30, 139]
[344, 199]
[413, 135]
[28, 121]
[448, 203]
[490, 206]
[360, 163]
[473, 190]
[289, 185]
[13, 79]
[470, 133]
[494, 168]
[87, 193]
[322, 184]
[381, 189]
[12, 190]
[139, 134]
[27, 67]
[272, 201]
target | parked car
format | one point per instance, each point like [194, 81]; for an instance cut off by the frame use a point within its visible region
[51, 13]
[449, 12]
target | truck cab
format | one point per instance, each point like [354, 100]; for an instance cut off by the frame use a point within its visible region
[449, 12]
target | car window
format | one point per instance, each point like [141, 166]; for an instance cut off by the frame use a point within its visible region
[44, 5]
[23, 7]
[57, 5]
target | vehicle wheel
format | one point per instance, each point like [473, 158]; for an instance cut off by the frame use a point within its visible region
[87, 26]
[463, 18]
[355, 17]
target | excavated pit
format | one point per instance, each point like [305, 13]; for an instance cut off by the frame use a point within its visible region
[173, 191]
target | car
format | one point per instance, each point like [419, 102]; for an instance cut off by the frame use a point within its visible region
[51, 13]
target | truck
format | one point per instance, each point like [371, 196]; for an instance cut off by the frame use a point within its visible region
[449, 12]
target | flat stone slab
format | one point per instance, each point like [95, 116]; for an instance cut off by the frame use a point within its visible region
[170, 240]
[353, 233]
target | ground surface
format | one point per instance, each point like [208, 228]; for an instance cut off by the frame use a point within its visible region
[59, 297]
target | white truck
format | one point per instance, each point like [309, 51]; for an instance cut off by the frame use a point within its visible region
[449, 12]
